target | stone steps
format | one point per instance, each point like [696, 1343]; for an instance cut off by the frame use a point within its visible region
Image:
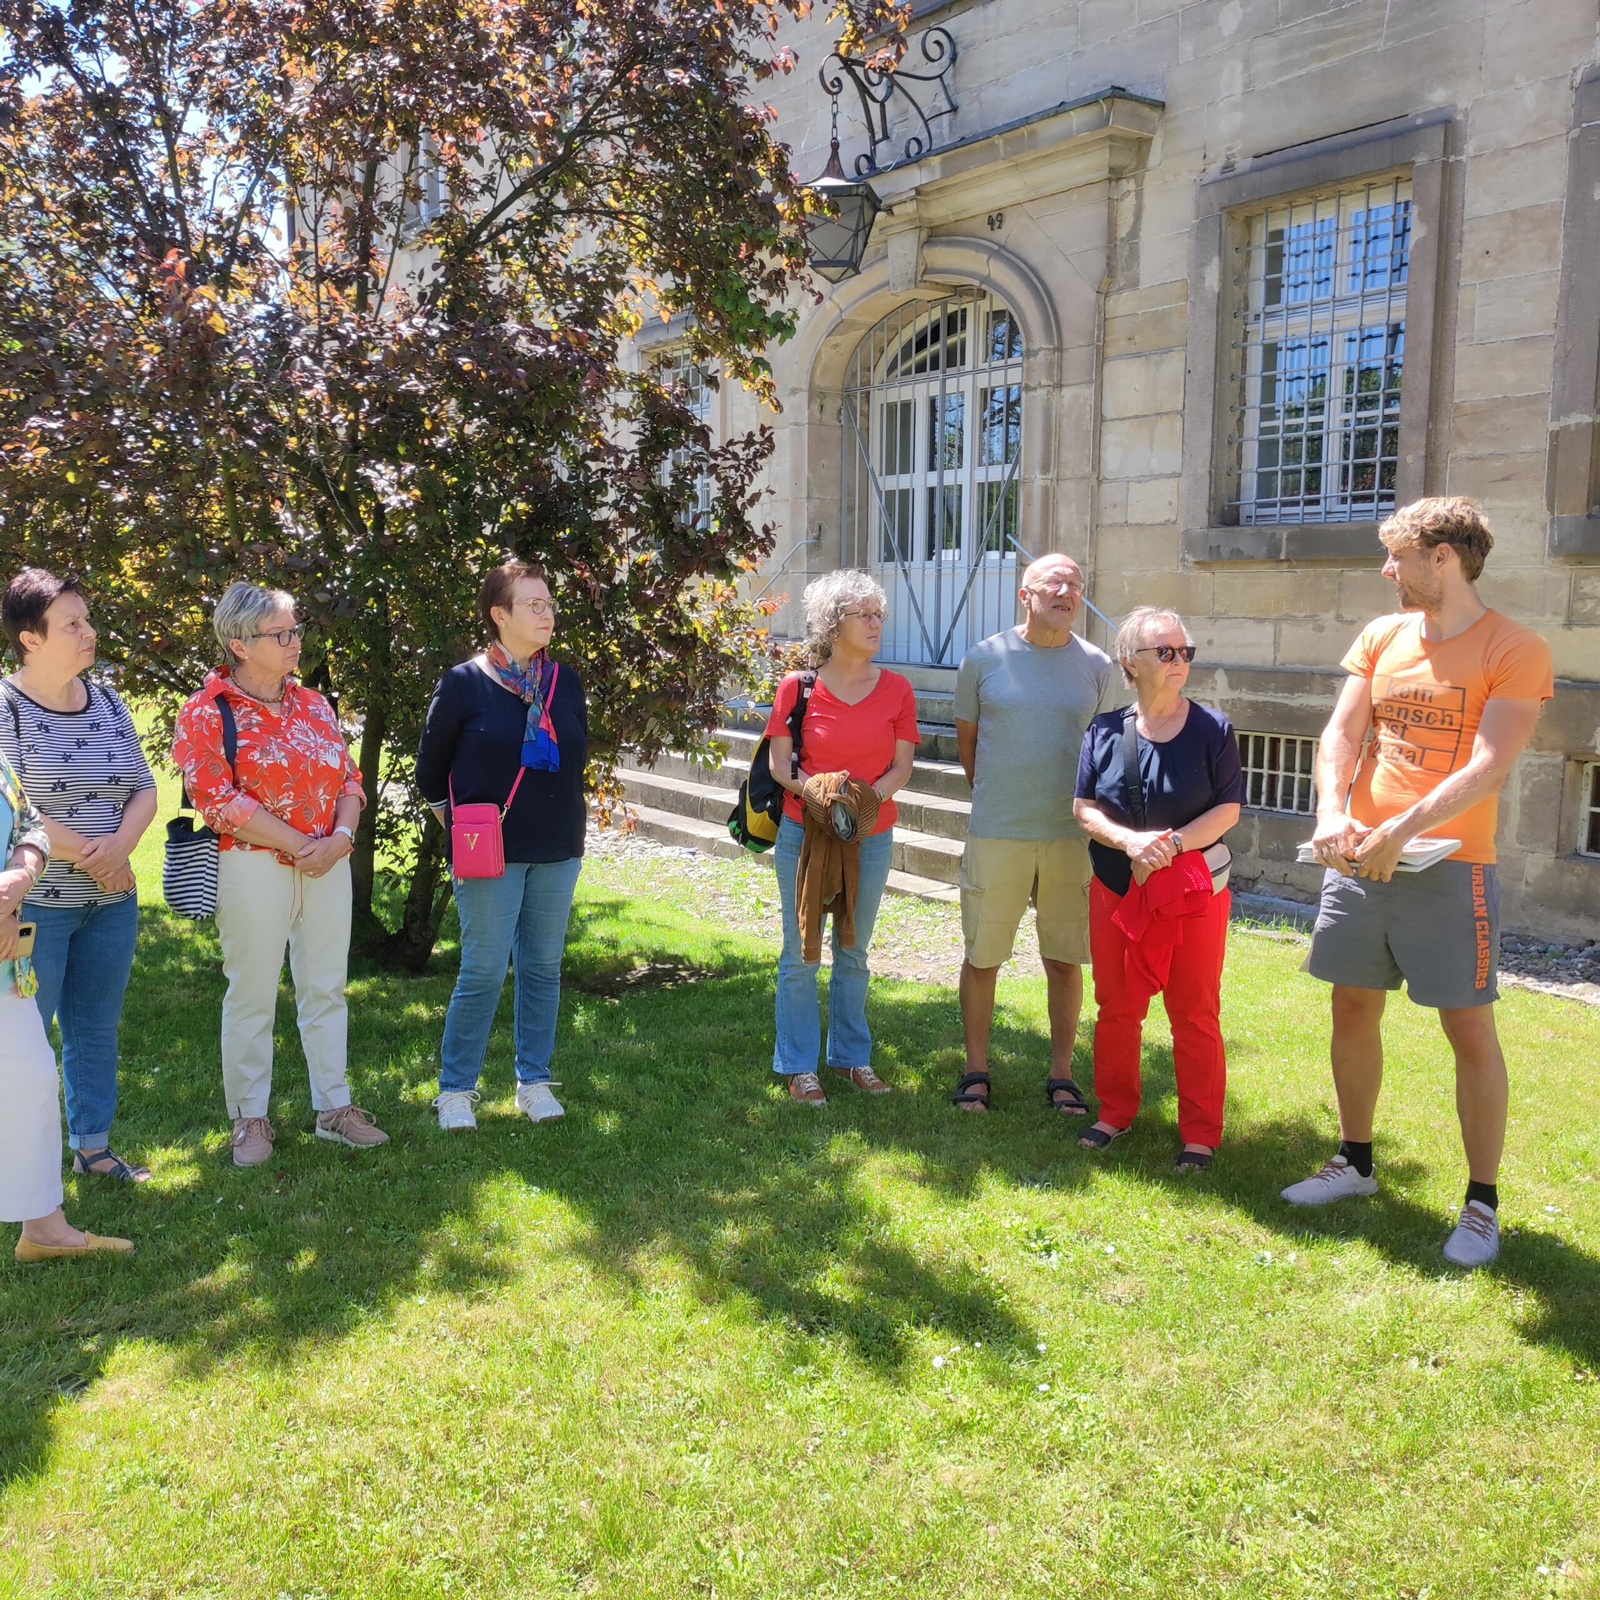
[711, 839]
[684, 801]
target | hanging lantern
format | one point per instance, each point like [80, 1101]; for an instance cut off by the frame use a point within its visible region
[837, 242]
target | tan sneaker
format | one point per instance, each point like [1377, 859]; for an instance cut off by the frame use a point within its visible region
[807, 1089]
[864, 1078]
[252, 1141]
[352, 1126]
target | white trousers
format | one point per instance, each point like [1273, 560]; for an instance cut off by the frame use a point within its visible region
[30, 1113]
[261, 906]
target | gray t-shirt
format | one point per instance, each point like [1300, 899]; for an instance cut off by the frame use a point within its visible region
[1031, 705]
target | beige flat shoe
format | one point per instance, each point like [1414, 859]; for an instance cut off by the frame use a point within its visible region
[93, 1245]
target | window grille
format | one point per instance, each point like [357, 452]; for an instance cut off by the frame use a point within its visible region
[1279, 772]
[1317, 372]
[932, 413]
[1589, 824]
[676, 369]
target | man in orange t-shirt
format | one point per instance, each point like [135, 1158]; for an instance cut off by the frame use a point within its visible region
[1449, 691]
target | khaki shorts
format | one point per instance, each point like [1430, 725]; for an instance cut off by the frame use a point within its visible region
[998, 879]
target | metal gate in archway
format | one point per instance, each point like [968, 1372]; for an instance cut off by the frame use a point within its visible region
[932, 419]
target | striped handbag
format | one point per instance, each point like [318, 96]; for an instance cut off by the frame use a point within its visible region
[189, 866]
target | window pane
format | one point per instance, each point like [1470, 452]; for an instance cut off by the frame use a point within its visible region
[945, 507]
[1005, 337]
[1001, 411]
[898, 418]
[1380, 246]
[997, 513]
[895, 532]
[947, 433]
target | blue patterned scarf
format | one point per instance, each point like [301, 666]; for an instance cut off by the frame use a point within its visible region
[534, 686]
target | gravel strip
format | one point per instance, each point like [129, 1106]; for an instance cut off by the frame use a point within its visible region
[920, 940]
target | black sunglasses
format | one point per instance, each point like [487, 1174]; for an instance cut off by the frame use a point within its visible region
[1168, 653]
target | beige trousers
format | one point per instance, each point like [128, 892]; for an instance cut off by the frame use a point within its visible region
[261, 906]
[30, 1113]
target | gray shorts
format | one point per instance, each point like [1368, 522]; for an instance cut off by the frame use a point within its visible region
[1439, 930]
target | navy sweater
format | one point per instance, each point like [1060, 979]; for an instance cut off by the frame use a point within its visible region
[472, 739]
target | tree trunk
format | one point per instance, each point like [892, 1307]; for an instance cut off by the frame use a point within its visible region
[426, 900]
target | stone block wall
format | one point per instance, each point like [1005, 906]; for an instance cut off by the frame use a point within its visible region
[1120, 437]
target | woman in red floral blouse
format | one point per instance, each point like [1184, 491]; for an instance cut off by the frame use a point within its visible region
[285, 813]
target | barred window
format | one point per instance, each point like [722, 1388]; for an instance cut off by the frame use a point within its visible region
[1279, 772]
[1317, 374]
[675, 368]
[1589, 820]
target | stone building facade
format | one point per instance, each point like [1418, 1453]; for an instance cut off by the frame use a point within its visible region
[1149, 299]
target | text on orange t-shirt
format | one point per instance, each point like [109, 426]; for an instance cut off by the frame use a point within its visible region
[1427, 701]
[858, 739]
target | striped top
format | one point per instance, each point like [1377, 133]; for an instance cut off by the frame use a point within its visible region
[80, 768]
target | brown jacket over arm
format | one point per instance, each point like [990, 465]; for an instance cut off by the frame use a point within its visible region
[830, 867]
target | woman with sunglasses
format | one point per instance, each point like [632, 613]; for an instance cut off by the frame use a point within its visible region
[510, 727]
[285, 810]
[1158, 786]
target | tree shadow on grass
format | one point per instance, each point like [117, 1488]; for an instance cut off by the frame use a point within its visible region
[670, 1143]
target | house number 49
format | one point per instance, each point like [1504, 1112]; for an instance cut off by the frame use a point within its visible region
[997, 220]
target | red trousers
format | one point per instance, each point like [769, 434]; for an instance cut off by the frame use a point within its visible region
[1193, 998]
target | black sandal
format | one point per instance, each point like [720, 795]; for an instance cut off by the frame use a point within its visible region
[1099, 1138]
[1193, 1160]
[126, 1171]
[966, 1092]
[1075, 1106]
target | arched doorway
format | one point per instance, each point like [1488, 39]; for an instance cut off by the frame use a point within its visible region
[932, 419]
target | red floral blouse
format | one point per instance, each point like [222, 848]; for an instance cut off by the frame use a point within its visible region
[292, 759]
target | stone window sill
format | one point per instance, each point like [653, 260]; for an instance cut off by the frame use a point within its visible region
[1574, 538]
[1343, 544]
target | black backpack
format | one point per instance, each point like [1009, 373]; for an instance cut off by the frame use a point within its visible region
[759, 808]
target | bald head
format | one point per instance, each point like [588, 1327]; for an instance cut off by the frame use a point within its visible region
[1054, 566]
[1052, 591]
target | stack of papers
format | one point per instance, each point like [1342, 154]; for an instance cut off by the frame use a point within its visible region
[1417, 856]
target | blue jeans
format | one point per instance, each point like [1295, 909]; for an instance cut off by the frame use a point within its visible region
[83, 955]
[521, 918]
[799, 1020]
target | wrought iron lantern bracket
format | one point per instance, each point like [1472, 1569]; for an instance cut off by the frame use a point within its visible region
[877, 88]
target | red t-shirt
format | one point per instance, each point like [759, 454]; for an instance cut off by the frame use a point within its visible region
[858, 739]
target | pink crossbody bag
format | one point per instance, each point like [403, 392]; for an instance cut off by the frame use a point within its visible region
[477, 846]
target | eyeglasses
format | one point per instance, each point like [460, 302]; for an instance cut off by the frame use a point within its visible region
[1168, 653]
[284, 636]
[540, 608]
[867, 616]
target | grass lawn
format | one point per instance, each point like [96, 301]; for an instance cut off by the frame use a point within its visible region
[695, 1341]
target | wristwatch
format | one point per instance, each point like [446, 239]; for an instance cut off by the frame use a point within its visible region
[348, 832]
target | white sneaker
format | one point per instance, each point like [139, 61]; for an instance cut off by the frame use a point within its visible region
[1475, 1241]
[1337, 1181]
[536, 1103]
[455, 1108]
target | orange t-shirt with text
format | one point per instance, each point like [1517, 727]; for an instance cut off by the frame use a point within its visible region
[1427, 700]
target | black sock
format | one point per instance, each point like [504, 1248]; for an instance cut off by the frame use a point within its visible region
[1358, 1155]
[1485, 1193]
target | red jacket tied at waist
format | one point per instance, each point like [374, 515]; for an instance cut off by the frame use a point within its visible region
[1152, 915]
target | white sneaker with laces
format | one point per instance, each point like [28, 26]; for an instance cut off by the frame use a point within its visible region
[1475, 1241]
[537, 1104]
[455, 1108]
[1337, 1181]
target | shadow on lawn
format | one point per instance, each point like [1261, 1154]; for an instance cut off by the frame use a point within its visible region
[677, 1138]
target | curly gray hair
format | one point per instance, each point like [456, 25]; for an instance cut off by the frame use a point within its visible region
[827, 599]
[241, 611]
[1131, 635]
